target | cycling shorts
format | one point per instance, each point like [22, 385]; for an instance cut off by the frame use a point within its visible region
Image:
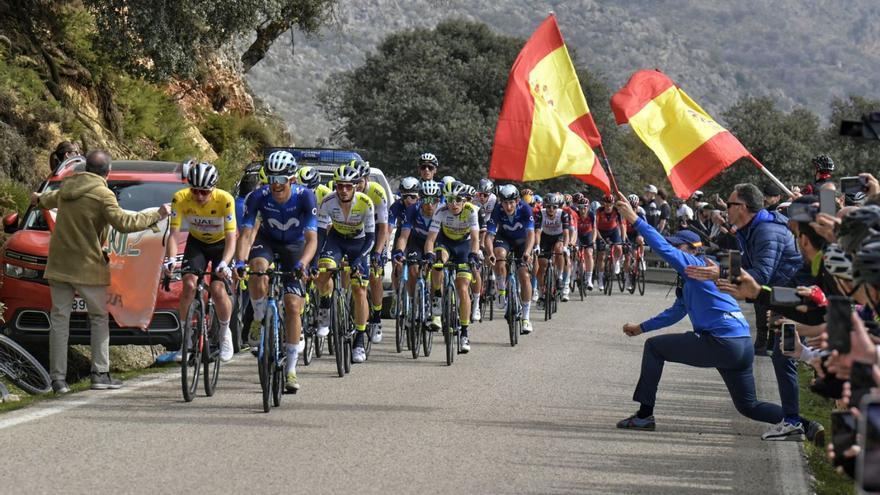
[336, 246]
[284, 255]
[548, 242]
[518, 245]
[586, 240]
[611, 236]
[632, 236]
[414, 245]
[197, 255]
[458, 251]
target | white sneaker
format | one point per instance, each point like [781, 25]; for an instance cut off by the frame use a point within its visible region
[565, 292]
[301, 346]
[590, 285]
[465, 345]
[436, 308]
[477, 316]
[527, 327]
[358, 355]
[617, 266]
[226, 350]
[535, 296]
[323, 322]
[377, 334]
[784, 431]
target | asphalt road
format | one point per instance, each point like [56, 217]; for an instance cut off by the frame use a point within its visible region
[538, 418]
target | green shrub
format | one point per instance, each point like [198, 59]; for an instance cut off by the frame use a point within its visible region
[231, 163]
[14, 196]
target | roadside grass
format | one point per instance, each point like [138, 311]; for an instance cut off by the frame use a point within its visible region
[84, 384]
[826, 481]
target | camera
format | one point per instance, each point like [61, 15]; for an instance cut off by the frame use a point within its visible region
[802, 212]
[867, 128]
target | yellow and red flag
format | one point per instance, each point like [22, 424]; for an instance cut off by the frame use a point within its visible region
[545, 129]
[692, 147]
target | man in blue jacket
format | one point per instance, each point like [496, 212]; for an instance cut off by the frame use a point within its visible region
[720, 338]
[770, 256]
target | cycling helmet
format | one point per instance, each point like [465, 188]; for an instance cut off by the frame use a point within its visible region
[608, 198]
[184, 165]
[837, 262]
[428, 158]
[280, 163]
[409, 185]
[362, 167]
[866, 262]
[470, 191]
[697, 195]
[633, 199]
[856, 225]
[554, 199]
[454, 189]
[202, 176]
[583, 201]
[595, 205]
[537, 199]
[855, 199]
[431, 189]
[508, 192]
[347, 174]
[576, 197]
[651, 188]
[568, 199]
[486, 186]
[823, 163]
[447, 179]
[308, 177]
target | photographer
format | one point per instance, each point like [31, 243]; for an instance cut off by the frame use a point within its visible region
[720, 338]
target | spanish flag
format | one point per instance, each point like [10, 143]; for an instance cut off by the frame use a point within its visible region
[692, 147]
[545, 129]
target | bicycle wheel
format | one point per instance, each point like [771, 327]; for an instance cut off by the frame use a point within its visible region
[511, 313]
[23, 369]
[400, 320]
[548, 291]
[191, 349]
[414, 327]
[337, 330]
[347, 345]
[211, 356]
[640, 281]
[449, 323]
[609, 276]
[427, 334]
[621, 280]
[267, 356]
[278, 364]
[235, 321]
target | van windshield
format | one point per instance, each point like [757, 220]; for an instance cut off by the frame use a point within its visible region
[132, 195]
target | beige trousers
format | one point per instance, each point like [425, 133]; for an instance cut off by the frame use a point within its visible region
[95, 297]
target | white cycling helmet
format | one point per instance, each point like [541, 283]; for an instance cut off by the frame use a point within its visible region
[409, 185]
[837, 262]
[431, 188]
[280, 163]
[428, 158]
[454, 189]
[508, 192]
[202, 176]
[651, 188]
[633, 199]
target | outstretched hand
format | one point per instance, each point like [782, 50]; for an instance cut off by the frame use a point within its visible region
[632, 329]
[709, 272]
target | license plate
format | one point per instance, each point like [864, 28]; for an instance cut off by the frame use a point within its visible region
[79, 305]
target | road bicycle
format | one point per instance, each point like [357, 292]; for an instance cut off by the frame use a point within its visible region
[451, 323]
[637, 270]
[22, 369]
[513, 312]
[487, 299]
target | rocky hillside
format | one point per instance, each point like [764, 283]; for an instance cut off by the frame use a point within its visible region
[799, 52]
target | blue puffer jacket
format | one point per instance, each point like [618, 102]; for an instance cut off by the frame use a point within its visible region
[769, 251]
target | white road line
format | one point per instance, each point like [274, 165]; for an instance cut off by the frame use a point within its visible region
[38, 411]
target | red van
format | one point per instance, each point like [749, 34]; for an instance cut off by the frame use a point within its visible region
[138, 185]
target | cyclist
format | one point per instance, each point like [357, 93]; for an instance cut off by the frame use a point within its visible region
[311, 179]
[586, 237]
[610, 227]
[824, 166]
[512, 227]
[428, 164]
[409, 196]
[348, 222]
[486, 197]
[379, 198]
[286, 231]
[470, 193]
[210, 215]
[415, 226]
[571, 246]
[552, 231]
[454, 235]
[633, 238]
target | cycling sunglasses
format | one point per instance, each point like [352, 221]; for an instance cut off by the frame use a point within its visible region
[200, 192]
[427, 166]
[429, 200]
[410, 196]
[278, 179]
[459, 199]
[344, 185]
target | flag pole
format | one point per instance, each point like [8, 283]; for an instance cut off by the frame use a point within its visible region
[770, 175]
[614, 188]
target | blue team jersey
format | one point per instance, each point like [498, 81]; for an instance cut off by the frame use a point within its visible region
[239, 210]
[418, 224]
[396, 212]
[286, 223]
[516, 226]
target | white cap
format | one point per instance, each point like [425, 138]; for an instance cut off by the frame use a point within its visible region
[651, 188]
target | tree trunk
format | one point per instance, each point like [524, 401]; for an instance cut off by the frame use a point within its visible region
[266, 35]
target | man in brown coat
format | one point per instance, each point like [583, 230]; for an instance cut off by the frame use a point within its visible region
[77, 263]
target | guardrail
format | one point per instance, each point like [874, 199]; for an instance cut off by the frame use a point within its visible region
[658, 271]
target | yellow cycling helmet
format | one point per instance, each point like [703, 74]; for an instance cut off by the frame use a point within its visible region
[263, 178]
[346, 174]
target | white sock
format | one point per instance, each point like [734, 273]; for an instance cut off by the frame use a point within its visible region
[259, 309]
[502, 283]
[526, 308]
[224, 329]
[477, 300]
[292, 356]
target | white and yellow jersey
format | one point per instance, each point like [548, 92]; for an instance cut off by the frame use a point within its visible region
[377, 195]
[360, 219]
[455, 227]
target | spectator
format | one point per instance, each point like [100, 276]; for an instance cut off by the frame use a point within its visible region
[720, 338]
[770, 256]
[772, 197]
[684, 215]
[651, 205]
[665, 211]
[77, 262]
[63, 151]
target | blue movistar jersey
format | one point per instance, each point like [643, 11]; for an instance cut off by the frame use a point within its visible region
[282, 222]
[239, 210]
[515, 226]
[396, 212]
[417, 222]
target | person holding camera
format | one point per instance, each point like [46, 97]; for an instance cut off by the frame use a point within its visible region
[720, 338]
